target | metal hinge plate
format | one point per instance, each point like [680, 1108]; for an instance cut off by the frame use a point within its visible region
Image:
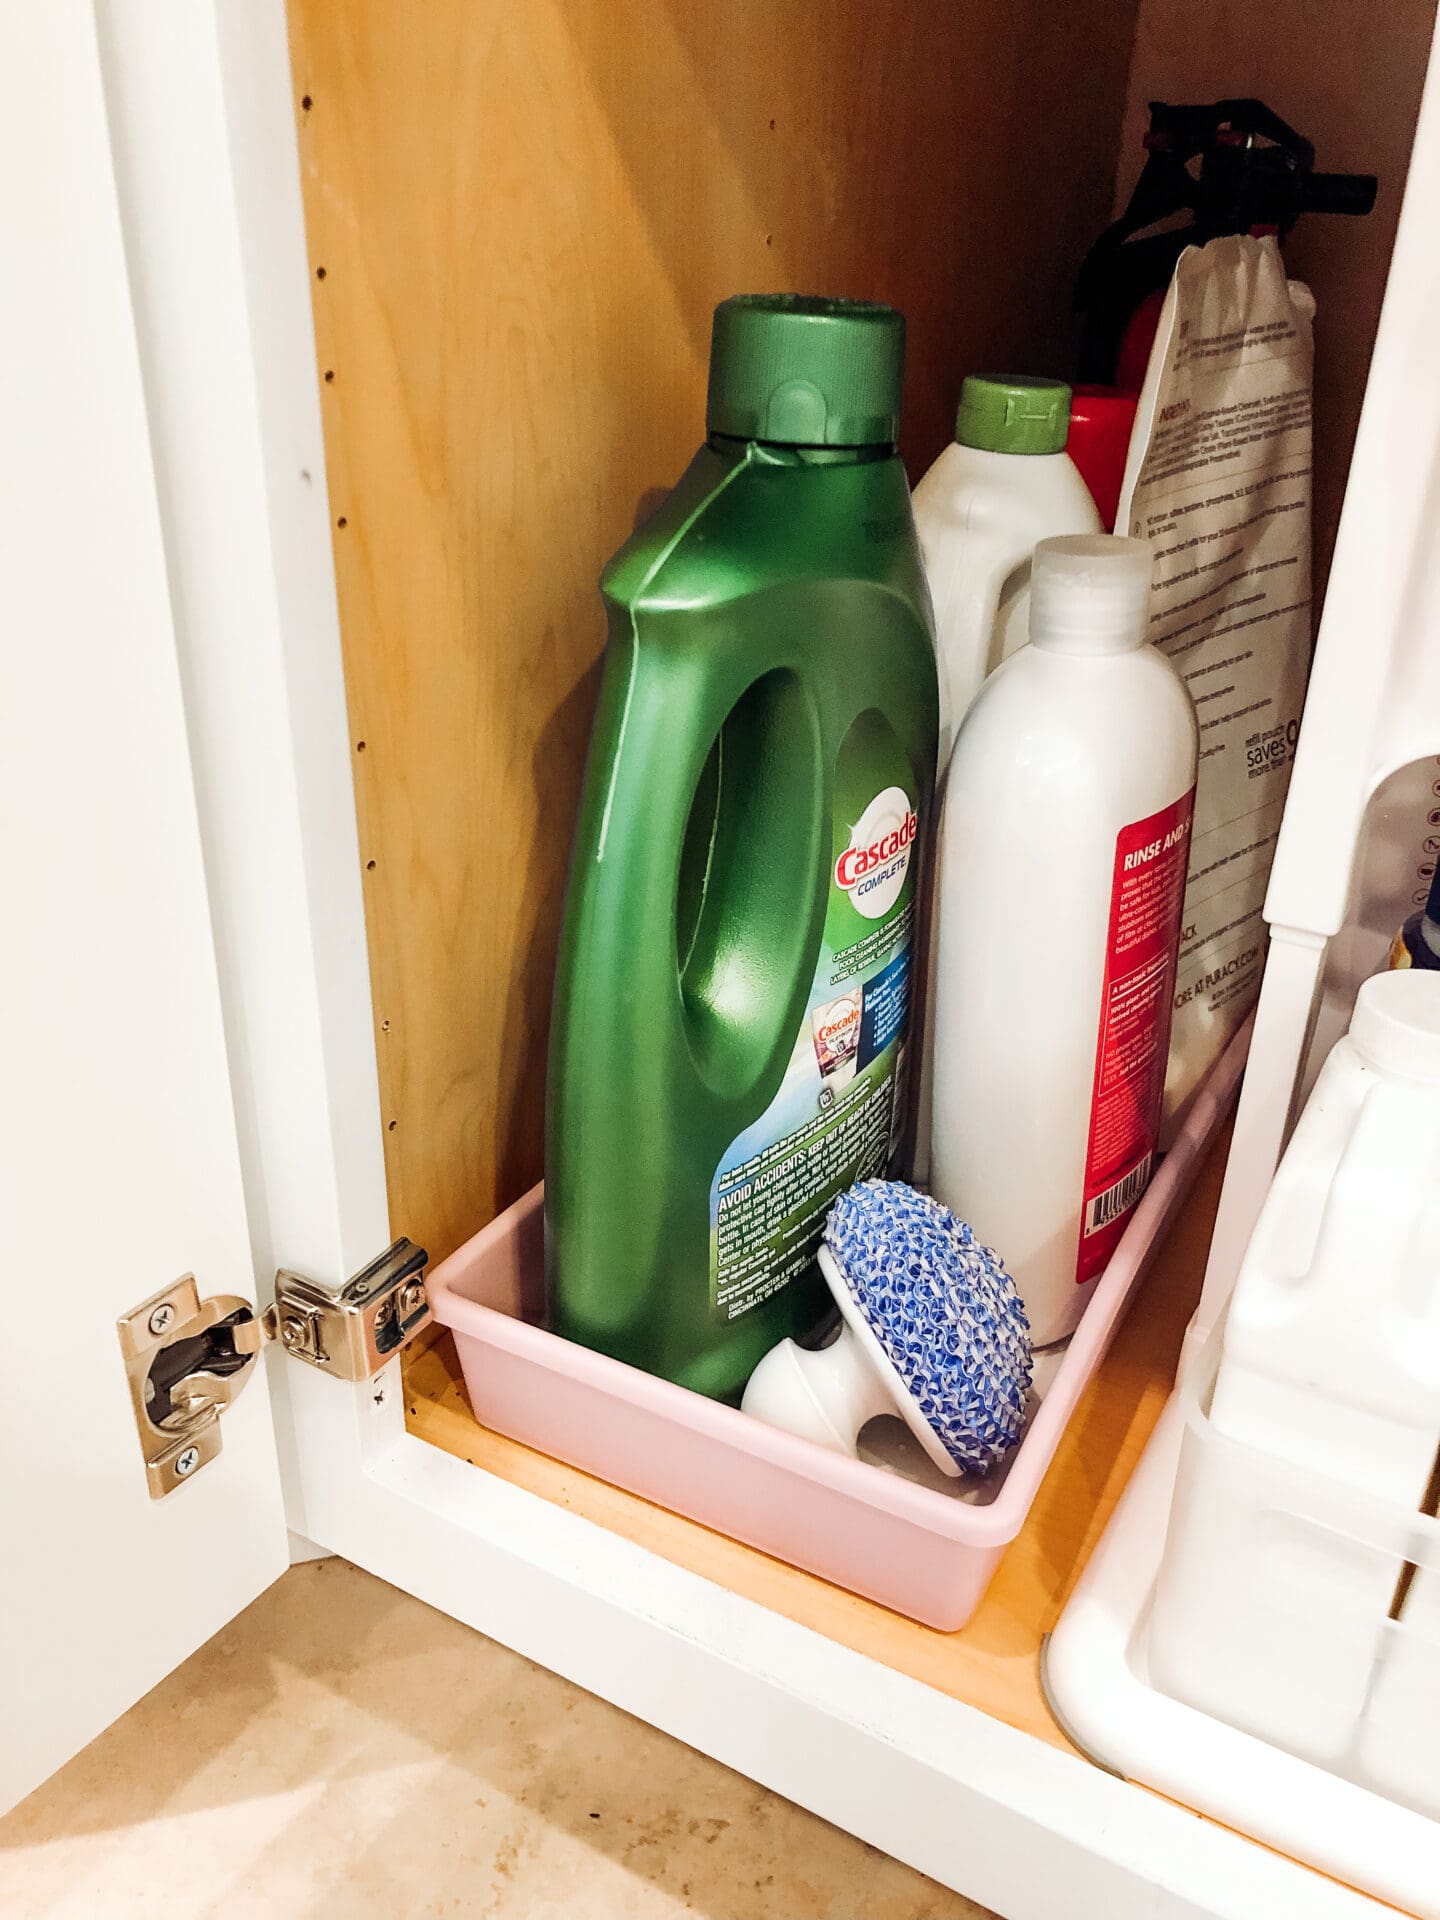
[187, 1358]
[351, 1331]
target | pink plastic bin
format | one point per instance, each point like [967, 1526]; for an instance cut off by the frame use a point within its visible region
[925, 1552]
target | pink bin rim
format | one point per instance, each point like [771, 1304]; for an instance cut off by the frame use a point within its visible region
[980, 1528]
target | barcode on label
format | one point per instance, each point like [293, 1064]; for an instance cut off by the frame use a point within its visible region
[1114, 1201]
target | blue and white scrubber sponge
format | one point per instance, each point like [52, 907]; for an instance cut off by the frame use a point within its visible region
[944, 1311]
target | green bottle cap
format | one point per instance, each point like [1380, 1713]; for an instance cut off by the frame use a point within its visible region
[1002, 415]
[806, 372]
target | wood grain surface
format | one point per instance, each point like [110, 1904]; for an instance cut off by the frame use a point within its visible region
[519, 220]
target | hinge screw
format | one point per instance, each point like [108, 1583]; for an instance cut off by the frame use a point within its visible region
[161, 1321]
[186, 1462]
[412, 1298]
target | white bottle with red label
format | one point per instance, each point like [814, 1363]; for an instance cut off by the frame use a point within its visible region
[1060, 876]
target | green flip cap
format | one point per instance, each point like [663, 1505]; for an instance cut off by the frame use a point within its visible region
[800, 371]
[1002, 415]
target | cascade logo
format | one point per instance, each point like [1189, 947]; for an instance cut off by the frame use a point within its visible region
[872, 868]
[837, 1037]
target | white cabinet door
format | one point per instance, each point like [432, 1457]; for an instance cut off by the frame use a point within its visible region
[119, 1168]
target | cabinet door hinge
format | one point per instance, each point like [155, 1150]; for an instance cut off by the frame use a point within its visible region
[186, 1358]
[352, 1330]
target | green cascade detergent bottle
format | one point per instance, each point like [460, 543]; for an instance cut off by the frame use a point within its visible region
[737, 962]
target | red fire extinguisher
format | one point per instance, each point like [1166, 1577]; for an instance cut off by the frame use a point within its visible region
[1231, 167]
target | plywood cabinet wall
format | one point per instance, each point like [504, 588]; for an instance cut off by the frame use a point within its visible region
[520, 217]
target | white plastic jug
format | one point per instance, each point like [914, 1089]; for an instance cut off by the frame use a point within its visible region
[1004, 483]
[1060, 877]
[1298, 1597]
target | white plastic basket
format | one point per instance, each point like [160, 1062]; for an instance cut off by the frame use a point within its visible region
[1302, 1652]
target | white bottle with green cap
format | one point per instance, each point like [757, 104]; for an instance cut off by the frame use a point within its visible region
[1003, 483]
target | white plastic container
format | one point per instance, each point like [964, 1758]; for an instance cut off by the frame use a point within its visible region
[1274, 1611]
[1060, 877]
[1332, 1340]
[1004, 483]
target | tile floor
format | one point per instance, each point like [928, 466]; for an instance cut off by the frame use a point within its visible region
[342, 1752]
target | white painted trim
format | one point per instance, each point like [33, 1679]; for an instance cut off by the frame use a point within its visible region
[230, 360]
[202, 128]
[203, 134]
[303, 1551]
